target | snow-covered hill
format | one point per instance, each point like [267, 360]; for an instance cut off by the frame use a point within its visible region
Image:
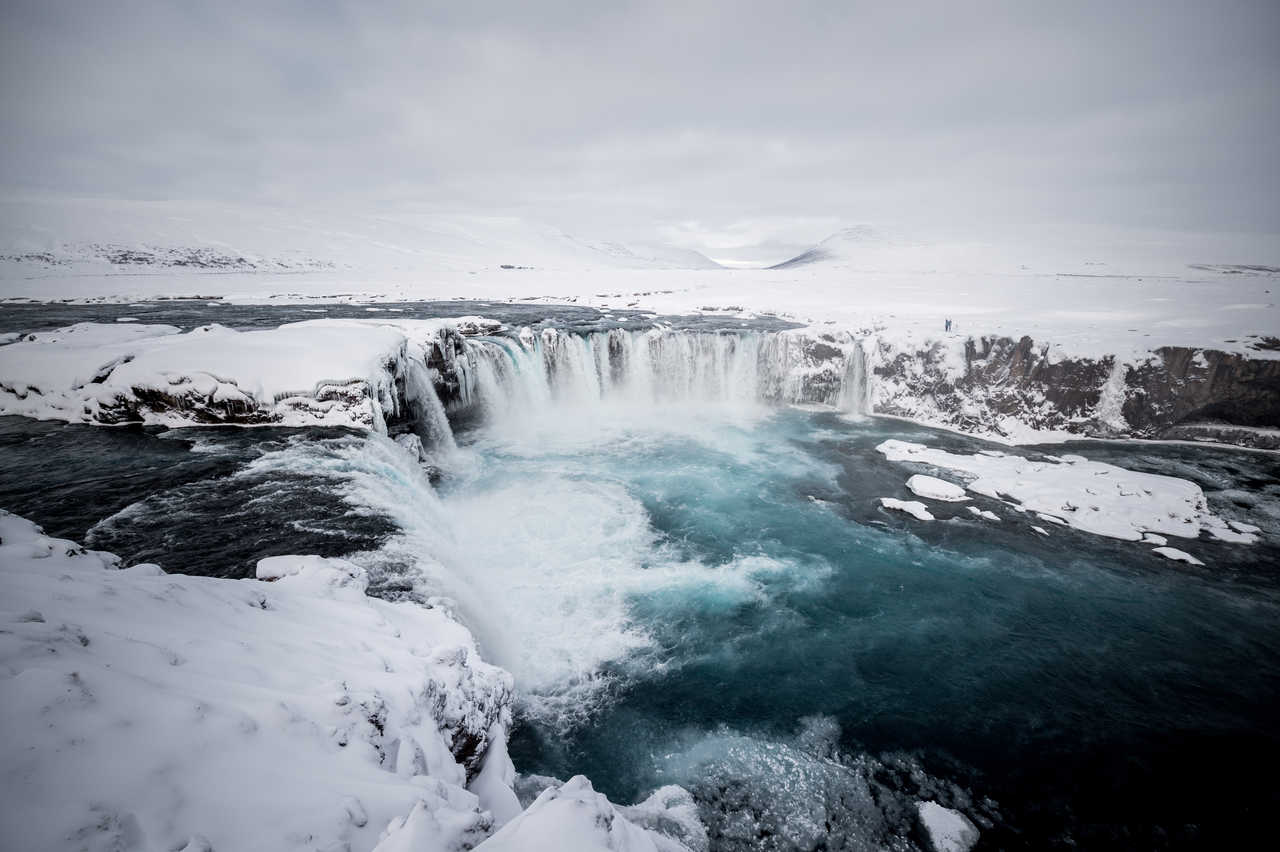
[842, 246]
[138, 237]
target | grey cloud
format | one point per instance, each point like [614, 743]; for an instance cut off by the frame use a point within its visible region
[635, 116]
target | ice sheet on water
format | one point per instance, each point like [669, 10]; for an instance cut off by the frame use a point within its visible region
[1091, 496]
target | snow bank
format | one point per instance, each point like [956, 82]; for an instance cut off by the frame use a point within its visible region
[71, 357]
[1095, 497]
[145, 710]
[320, 372]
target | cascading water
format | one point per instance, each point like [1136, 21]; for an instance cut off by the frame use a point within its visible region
[533, 372]
[855, 392]
[430, 422]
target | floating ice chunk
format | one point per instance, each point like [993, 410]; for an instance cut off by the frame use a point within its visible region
[1242, 527]
[948, 830]
[1176, 555]
[983, 513]
[1222, 532]
[1040, 530]
[933, 488]
[1052, 519]
[1152, 538]
[912, 507]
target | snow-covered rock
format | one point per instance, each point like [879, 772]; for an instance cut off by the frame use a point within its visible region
[914, 508]
[320, 372]
[1014, 390]
[933, 488]
[573, 817]
[948, 830]
[161, 711]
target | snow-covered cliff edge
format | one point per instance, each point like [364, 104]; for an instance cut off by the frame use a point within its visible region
[393, 376]
[153, 711]
[1020, 390]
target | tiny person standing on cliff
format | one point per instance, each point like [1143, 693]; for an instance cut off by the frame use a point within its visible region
[948, 326]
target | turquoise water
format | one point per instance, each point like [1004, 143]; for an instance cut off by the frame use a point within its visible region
[810, 664]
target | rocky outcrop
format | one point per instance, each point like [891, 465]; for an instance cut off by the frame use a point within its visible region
[1010, 389]
[1181, 386]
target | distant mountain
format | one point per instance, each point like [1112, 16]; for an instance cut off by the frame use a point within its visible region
[651, 255]
[842, 245]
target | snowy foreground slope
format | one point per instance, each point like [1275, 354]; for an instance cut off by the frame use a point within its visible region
[149, 711]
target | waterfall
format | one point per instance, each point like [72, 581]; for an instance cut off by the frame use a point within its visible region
[501, 377]
[855, 392]
[430, 422]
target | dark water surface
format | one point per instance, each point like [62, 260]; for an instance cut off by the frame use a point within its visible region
[189, 313]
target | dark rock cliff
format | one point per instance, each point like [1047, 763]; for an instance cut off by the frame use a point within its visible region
[1001, 383]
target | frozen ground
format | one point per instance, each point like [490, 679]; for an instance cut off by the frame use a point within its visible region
[1088, 294]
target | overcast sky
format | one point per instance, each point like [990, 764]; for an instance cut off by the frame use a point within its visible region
[713, 124]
